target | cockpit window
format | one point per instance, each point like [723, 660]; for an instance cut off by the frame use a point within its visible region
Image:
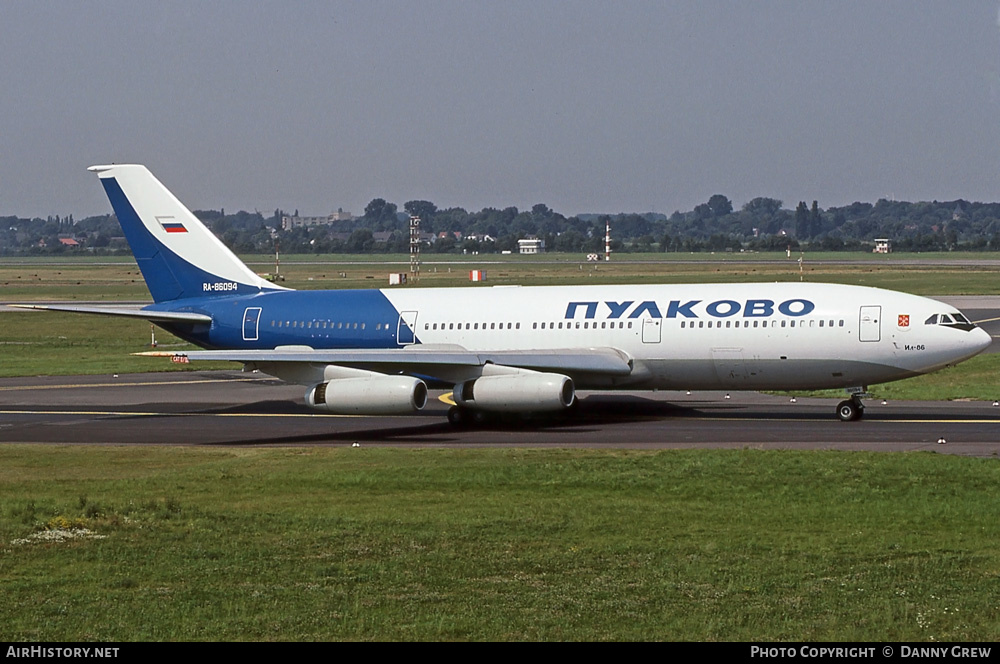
[953, 320]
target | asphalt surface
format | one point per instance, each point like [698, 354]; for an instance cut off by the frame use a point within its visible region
[245, 409]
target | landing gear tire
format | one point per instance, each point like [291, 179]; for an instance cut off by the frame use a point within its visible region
[467, 417]
[850, 411]
[458, 417]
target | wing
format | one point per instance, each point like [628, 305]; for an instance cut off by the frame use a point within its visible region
[446, 364]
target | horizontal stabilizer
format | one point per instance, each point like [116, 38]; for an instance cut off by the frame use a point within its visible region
[127, 312]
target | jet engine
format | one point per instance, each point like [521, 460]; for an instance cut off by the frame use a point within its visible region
[377, 395]
[517, 393]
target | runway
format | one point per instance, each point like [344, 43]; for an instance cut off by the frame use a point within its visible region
[244, 409]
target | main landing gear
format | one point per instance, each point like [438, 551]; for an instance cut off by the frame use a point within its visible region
[463, 417]
[851, 409]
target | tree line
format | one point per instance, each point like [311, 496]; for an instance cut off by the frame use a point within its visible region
[762, 224]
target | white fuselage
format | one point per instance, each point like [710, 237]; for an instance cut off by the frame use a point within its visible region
[706, 336]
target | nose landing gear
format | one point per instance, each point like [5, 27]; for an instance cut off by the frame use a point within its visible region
[851, 410]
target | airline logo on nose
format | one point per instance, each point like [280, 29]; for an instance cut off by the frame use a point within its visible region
[903, 320]
[170, 225]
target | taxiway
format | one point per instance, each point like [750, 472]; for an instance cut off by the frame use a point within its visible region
[246, 409]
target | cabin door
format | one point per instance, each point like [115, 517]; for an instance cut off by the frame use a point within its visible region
[869, 326]
[405, 330]
[651, 330]
[251, 323]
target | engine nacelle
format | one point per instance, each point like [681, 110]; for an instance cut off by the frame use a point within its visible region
[377, 395]
[517, 393]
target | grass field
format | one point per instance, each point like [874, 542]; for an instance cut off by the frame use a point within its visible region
[381, 544]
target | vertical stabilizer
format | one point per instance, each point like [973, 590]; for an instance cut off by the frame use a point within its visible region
[178, 256]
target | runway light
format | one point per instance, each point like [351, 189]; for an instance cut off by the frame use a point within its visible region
[941, 441]
[884, 402]
[792, 400]
[727, 395]
[689, 392]
[996, 403]
[355, 444]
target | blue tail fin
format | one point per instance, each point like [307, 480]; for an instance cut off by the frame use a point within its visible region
[178, 256]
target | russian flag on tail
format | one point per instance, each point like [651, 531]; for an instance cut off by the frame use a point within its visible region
[170, 225]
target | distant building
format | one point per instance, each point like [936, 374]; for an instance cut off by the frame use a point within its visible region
[531, 245]
[289, 222]
[882, 246]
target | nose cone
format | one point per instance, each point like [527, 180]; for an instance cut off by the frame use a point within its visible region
[979, 340]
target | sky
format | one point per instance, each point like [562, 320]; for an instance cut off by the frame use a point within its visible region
[585, 106]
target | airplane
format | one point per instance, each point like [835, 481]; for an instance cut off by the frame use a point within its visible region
[512, 349]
